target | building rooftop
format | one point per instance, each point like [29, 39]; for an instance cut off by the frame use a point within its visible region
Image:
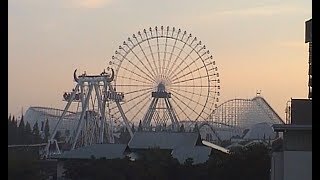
[199, 154]
[163, 140]
[285, 127]
[108, 151]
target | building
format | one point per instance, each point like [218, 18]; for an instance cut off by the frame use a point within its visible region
[293, 160]
[308, 39]
[181, 145]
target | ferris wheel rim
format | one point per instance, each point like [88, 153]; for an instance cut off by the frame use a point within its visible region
[149, 79]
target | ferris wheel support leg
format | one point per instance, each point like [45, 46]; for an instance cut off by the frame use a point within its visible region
[60, 120]
[172, 115]
[101, 108]
[110, 133]
[124, 119]
[82, 116]
[145, 121]
[152, 110]
[108, 130]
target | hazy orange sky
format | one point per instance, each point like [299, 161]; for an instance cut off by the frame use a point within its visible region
[257, 45]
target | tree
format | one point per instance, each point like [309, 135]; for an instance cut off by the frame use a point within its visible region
[124, 136]
[188, 161]
[15, 130]
[28, 134]
[140, 126]
[10, 131]
[36, 133]
[164, 127]
[132, 128]
[182, 128]
[46, 131]
[58, 136]
[21, 132]
[35, 129]
[67, 132]
[14, 121]
[196, 128]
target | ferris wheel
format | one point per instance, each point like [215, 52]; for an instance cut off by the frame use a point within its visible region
[164, 73]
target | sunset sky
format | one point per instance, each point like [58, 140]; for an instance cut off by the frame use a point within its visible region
[257, 45]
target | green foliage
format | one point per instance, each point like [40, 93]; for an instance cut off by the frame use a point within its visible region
[28, 134]
[35, 129]
[244, 164]
[132, 128]
[140, 126]
[188, 162]
[12, 130]
[21, 132]
[46, 131]
[196, 128]
[124, 136]
[23, 164]
[181, 129]
[58, 136]
[36, 134]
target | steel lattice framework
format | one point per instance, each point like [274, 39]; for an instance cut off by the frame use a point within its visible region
[166, 75]
[243, 113]
[93, 93]
[232, 117]
[41, 114]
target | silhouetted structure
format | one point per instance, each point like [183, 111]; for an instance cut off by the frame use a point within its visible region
[308, 39]
[294, 160]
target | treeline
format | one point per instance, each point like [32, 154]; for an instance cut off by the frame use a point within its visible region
[251, 163]
[125, 137]
[20, 132]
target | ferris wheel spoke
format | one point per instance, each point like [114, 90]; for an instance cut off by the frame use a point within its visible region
[200, 77]
[180, 109]
[145, 56]
[131, 85]
[139, 90]
[139, 44]
[197, 103]
[133, 99]
[189, 107]
[158, 50]
[140, 110]
[184, 59]
[188, 66]
[173, 80]
[154, 61]
[201, 95]
[132, 108]
[133, 79]
[191, 86]
[181, 50]
[151, 78]
[173, 48]
[165, 54]
[207, 96]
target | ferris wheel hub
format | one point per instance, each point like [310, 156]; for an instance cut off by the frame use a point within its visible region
[161, 87]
